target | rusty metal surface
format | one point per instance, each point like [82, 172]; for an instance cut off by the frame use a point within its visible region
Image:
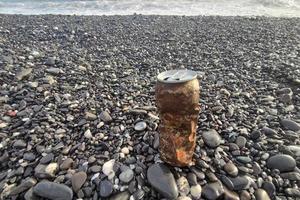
[178, 106]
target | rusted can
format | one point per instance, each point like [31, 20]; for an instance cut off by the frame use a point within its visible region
[177, 99]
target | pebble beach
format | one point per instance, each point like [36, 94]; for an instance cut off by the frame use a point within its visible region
[78, 118]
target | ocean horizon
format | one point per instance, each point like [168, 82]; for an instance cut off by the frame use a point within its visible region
[271, 8]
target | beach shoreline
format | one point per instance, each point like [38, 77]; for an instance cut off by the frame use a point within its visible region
[73, 90]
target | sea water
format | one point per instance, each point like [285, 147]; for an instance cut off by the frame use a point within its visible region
[275, 8]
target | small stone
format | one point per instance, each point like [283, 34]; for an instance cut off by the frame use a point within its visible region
[243, 159]
[66, 164]
[90, 116]
[95, 168]
[29, 195]
[256, 168]
[125, 150]
[255, 135]
[231, 169]
[139, 194]
[51, 169]
[23, 73]
[211, 138]
[290, 125]
[107, 168]
[88, 134]
[50, 61]
[53, 191]
[292, 192]
[230, 195]
[268, 131]
[241, 141]
[19, 144]
[241, 182]
[140, 126]
[126, 176]
[270, 188]
[47, 158]
[213, 191]
[29, 156]
[54, 70]
[78, 180]
[261, 194]
[105, 188]
[105, 116]
[192, 178]
[183, 198]
[292, 176]
[25, 185]
[196, 191]
[46, 171]
[121, 196]
[284, 163]
[245, 195]
[162, 180]
[183, 186]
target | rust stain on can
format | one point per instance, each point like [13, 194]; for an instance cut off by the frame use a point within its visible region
[178, 106]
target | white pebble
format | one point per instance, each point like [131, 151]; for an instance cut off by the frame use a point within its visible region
[108, 168]
[88, 134]
[196, 191]
[125, 150]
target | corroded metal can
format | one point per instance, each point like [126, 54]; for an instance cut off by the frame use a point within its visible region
[177, 99]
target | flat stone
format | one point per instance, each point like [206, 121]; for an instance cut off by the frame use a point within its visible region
[105, 116]
[231, 169]
[121, 196]
[192, 178]
[270, 188]
[211, 138]
[29, 195]
[290, 125]
[25, 185]
[212, 191]
[23, 73]
[261, 194]
[241, 141]
[29, 156]
[161, 179]
[292, 176]
[292, 192]
[90, 116]
[105, 188]
[66, 164]
[19, 144]
[183, 186]
[140, 126]
[78, 180]
[243, 159]
[53, 191]
[47, 158]
[241, 183]
[230, 195]
[54, 70]
[50, 61]
[282, 162]
[126, 176]
[268, 131]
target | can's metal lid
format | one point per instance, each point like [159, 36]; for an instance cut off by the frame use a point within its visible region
[176, 76]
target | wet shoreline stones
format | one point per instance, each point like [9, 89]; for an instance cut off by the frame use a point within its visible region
[77, 106]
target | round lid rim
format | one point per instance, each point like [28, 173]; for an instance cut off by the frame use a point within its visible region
[191, 75]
